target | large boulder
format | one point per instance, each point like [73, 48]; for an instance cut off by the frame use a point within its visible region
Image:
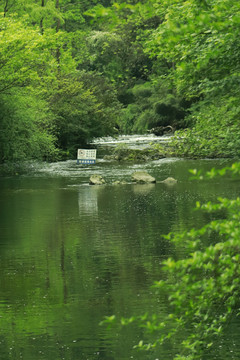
[96, 180]
[142, 177]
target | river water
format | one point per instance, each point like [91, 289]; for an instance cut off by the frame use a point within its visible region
[71, 254]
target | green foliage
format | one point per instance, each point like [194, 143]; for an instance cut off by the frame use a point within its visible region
[169, 62]
[28, 66]
[85, 107]
[25, 55]
[115, 47]
[153, 104]
[215, 132]
[204, 294]
[117, 13]
[26, 127]
[105, 50]
[200, 43]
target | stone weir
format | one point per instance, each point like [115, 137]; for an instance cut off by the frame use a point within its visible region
[133, 148]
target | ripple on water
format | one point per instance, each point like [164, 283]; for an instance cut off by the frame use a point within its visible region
[109, 171]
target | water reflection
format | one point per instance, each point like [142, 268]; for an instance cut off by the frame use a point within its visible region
[88, 200]
[143, 188]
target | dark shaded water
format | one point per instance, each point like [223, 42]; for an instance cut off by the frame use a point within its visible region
[71, 253]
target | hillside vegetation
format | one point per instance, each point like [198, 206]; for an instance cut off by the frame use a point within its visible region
[71, 71]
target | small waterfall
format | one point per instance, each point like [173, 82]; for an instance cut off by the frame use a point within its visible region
[131, 141]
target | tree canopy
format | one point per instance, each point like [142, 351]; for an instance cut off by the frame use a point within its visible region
[164, 62]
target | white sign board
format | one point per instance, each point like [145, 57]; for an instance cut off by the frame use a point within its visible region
[86, 156]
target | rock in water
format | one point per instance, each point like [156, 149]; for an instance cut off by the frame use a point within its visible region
[118, 182]
[142, 177]
[96, 180]
[169, 181]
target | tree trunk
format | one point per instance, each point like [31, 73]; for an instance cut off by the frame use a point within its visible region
[41, 21]
[5, 8]
[58, 20]
[57, 29]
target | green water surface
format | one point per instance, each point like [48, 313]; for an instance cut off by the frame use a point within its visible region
[71, 254]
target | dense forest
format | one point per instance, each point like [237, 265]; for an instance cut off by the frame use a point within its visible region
[73, 70]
